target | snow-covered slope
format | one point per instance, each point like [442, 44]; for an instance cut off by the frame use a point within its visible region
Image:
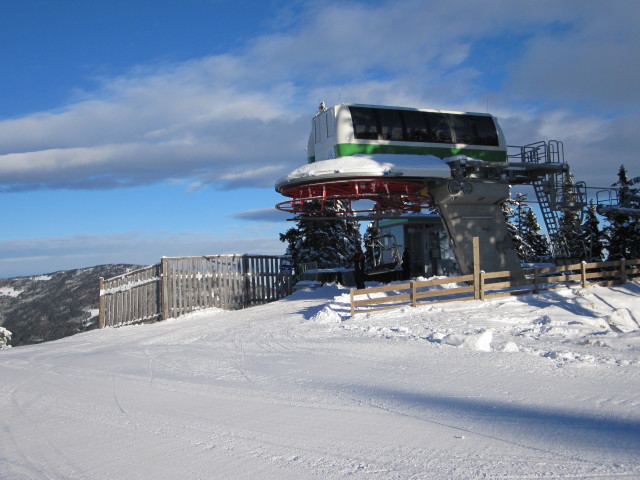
[530, 387]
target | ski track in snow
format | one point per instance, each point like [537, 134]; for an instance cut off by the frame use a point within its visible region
[539, 386]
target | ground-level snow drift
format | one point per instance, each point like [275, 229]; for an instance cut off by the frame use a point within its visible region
[539, 386]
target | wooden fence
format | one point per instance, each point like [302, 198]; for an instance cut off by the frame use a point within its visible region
[481, 285]
[178, 285]
[132, 296]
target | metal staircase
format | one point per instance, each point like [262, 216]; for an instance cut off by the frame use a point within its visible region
[555, 191]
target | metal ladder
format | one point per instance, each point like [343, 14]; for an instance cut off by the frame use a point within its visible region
[554, 191]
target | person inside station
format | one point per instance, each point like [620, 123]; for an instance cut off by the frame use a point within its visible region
[358, 267]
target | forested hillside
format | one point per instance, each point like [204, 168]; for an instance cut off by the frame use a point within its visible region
[47, 307]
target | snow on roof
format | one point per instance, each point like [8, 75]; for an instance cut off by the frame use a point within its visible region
[423, 166]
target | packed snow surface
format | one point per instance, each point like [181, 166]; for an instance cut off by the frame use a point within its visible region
[361, 165]
[543, 386]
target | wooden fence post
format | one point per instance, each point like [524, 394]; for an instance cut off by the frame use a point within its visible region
[583, 274]
[481, 278]
[164, 289]
[353, 309]
[476, 268]
[536, 279]
[246, 294]
[101, 303]
[414, 300]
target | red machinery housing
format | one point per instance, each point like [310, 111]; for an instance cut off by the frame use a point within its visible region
[382, 193]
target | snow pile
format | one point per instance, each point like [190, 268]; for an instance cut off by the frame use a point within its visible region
[480, 342]
[622, 320]
[532, 324]
[510, 347]
[327, 315]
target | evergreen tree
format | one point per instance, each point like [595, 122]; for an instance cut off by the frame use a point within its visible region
[5, 338]
[570, 223]
[522, 223]
[623, 231]
[513, 210]
[331, 243]
[592, 236]
[537, 248]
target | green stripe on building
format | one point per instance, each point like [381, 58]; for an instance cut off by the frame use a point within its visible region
[347, 149]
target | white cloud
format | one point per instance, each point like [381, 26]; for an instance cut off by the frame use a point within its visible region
[241, 119]
[45, 255]
[263, 215]
[592, 61]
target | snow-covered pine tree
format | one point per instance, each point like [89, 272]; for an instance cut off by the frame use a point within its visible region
[592, 236]
[5, 338]
[537, 245]
[330, 243]
[623, 231]
[569, 224]
[513, 210]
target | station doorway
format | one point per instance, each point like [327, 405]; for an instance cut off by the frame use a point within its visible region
[423, 245]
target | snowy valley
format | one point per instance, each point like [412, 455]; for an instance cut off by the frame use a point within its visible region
[47, 307]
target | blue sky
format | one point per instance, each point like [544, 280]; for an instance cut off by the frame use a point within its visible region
[133, 130]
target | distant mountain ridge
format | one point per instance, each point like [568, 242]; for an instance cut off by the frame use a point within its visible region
[46, 307]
